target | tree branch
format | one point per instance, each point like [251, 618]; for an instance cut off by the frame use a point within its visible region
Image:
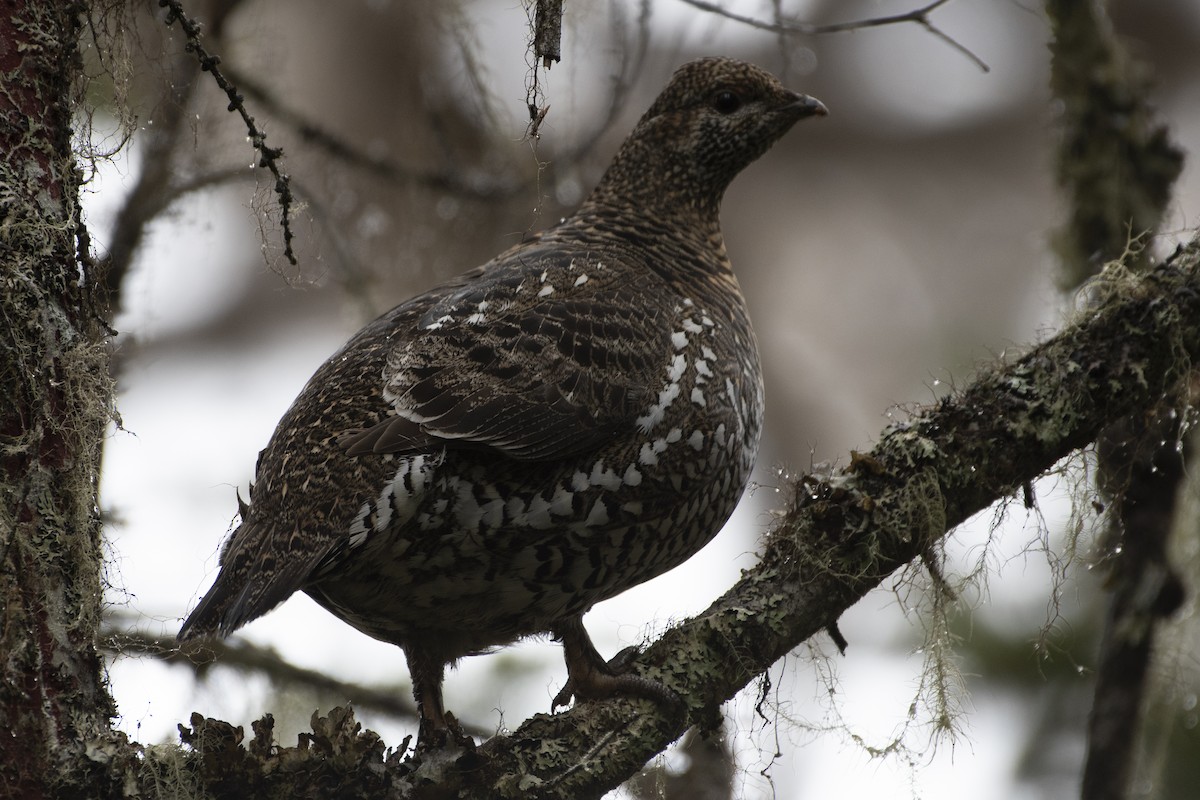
[1116, 162]
[846, 531]
[269, 157]
[782, 25]
[243, 656]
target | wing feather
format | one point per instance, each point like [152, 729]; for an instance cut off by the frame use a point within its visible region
[531, 373]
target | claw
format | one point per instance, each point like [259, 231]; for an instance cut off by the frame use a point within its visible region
[590, 677]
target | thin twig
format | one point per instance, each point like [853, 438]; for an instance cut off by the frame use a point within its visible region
[791, 26]
[243, 656]
[269, 157]
[479, 186]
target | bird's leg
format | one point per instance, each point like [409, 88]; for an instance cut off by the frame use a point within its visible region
[427, 672]
[590, 677]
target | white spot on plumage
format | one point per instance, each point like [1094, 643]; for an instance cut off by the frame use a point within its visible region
[646, 456]
[537, 515]
[632, 507]
[690, 326]
[358, 528]
[632, 476]
[656, 412]
[478, 318]
[561, 502]
[579, 481]
[675, 371]
[707, 352]
[604, 478]
[679, 340]
[581, 280]
[546, 291]
[383, 505]
[398, 500]
[702, 368]
[698, 397]
[696, 441]
[439, 322]
[598, 515]
[467, 510]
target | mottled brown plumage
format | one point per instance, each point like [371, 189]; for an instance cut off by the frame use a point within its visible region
[489, 459]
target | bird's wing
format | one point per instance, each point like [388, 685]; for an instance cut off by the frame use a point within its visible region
[541, 357]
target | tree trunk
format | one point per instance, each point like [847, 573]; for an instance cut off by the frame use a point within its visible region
[57, 397]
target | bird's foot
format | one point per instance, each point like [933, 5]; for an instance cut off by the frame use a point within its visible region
[431, 736]
[597, 680]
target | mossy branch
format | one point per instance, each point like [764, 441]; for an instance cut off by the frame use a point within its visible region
[1116, 161]
[846, 531]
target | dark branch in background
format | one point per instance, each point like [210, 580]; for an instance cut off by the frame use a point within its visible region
[709, 774]
[269, 157]
[782, 25]
[148, 198]
[1117, 165]
[1116, 162]
[480, 186]
[631, 65]
[395, 701]
[845, 532]
[477, 185]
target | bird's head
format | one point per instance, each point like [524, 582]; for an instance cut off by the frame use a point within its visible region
[715, 116]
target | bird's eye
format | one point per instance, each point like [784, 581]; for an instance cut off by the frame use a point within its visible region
[726, 102]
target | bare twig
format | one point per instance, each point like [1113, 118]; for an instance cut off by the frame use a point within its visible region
[479, 186]
[631, 66]
[246, 657]
[269, 157]
[782, 25]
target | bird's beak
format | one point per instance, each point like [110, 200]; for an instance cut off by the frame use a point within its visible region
[806, 106]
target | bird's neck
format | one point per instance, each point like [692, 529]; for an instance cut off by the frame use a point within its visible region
[651, 179]
[680, 239]
[690, 257]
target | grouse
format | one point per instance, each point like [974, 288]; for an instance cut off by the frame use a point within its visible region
[491, 458]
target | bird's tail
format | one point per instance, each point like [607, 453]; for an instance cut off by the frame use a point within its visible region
[252, 581]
